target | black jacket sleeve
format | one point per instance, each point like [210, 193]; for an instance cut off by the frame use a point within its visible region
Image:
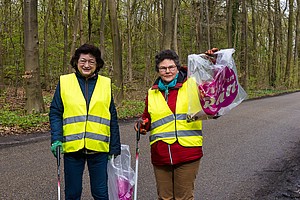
[115, 144]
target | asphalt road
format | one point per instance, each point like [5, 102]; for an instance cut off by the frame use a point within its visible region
[241, 150]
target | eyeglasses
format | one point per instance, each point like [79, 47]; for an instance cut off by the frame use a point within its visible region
[172, 68]
[90, 62]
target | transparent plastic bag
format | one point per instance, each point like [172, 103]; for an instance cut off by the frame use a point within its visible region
[121, 176]
[215, 85]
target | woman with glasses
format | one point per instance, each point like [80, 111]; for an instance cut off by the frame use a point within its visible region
[176, 145]
[83, 121]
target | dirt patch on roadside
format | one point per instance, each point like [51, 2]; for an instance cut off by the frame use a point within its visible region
[284, 183]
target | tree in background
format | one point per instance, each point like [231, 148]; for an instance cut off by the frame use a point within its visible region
[117, 52]
[102, 28]
[168, 26]
[66, 37]
[273, 67]
[45, 68]
[34, 98]
[75, 23]
[1, 68]
[297, 46]
[244, 47]
[198, 9]
[289, 43]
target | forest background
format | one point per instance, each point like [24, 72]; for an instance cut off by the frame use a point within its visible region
[38, 38]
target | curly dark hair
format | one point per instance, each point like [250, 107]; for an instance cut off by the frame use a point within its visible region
[87, 49]
[166, 54]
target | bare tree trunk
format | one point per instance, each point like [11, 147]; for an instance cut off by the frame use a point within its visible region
[80, 22]
[198, 9]
[89, 21]
[281, 43]
[167, 24]
[117, 51]
[34, 98]
[160, 20]
[270, 42]
[66, 41]
[244, 48]
[255, 70]
[129, 50]
[2, 50]
[1, 65]
[289, 43]
[208, 24]
[10, 40]
[175, 42]
[297, 44]
[75, 29]
[147, 53]
[229, 23]
[236, 5]
[45, 49]
[102, 28]
[275, 46]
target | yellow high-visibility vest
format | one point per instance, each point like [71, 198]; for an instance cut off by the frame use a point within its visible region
[170, 127]
[84, 128]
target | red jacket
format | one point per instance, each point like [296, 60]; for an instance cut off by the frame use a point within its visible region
[161, 152]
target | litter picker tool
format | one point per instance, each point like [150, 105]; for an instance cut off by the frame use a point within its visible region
[137, 159]
[58, 170]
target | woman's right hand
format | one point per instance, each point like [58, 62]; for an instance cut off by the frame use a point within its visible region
[142, 123]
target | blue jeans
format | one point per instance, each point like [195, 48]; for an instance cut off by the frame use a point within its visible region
[74, 164]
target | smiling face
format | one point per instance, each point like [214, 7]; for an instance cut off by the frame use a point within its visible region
[86, 65]
[167, 70]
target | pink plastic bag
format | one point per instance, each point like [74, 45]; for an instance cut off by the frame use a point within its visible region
[121, 176]
[217, 85]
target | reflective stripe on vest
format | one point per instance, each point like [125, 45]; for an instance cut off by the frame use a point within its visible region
[169, 127]
[82, 128]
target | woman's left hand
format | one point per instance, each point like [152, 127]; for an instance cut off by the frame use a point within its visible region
[211, 54]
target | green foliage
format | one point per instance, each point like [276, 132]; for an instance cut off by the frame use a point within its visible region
[252, 94]
[17, 118]
[11, 73]
[130, 108]
[47, 99]
[10, 118]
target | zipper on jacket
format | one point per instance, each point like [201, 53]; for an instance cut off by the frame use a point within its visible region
[169, 146]
[170, 154]
[175, 118]
[87, 104]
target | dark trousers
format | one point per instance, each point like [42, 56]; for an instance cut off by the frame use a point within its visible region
[74, 164]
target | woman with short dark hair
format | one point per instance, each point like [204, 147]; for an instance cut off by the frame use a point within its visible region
[83, 121]
[176, 145]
